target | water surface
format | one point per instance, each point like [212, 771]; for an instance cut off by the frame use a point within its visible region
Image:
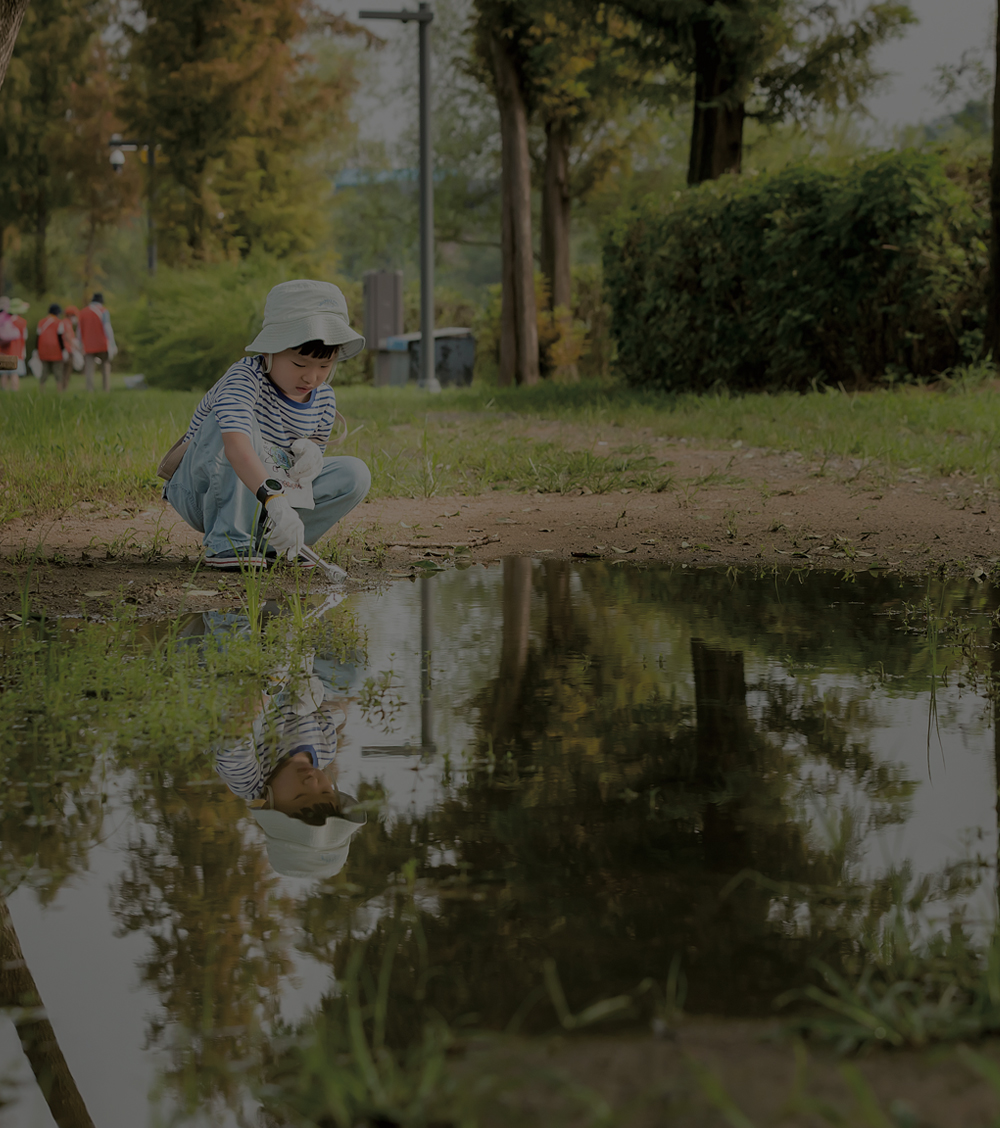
[618, 770]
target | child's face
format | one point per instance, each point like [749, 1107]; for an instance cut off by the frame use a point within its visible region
[297, 375]
[297, 785]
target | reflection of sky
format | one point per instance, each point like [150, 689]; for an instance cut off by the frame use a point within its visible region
[88, 976]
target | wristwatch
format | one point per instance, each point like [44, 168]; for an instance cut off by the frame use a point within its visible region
[269, 488]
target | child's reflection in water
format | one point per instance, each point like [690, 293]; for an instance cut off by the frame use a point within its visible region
[285, 767]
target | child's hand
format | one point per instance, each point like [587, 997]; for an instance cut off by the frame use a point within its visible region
[308, 462]
[286, 533]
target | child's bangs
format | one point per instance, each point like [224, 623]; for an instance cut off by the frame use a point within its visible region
[318, 350]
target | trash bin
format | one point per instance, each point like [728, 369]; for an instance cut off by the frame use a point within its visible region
[454, 357]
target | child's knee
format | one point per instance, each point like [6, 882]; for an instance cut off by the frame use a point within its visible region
[357, 477]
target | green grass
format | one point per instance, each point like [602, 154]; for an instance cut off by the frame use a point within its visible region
[59, 450]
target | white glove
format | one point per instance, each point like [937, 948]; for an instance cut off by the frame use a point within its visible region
[308, 462]
[307, 696]
[285, 533]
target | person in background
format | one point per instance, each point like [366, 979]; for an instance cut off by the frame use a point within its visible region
[71, 334]
[98, 341]
[71, 340]
[52, 348]
[9, 336]
[18, 308]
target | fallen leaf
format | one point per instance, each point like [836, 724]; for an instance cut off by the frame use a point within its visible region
[102, 594]
[586, 555]
[200, 593]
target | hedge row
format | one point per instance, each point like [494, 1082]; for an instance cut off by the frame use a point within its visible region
[808, 276]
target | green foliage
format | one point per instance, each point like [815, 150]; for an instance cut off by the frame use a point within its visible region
[189, 326]
[55, 119]
[234, 103]
[806, 277]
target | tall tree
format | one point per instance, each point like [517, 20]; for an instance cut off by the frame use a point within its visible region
[585, 87]
[499, 26]
[764, 59]
[992, 342]
[233, 104]
[100, 194]
[51, 56]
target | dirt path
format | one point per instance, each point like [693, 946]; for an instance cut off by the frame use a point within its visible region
[737, 506]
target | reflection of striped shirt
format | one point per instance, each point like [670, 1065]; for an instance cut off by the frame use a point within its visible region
[277, 733]
[245, 394]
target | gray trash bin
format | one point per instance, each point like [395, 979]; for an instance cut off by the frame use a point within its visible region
[454, 357]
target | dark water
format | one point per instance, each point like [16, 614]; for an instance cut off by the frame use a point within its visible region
[614, 769]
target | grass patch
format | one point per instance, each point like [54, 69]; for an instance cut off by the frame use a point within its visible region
[56, 450]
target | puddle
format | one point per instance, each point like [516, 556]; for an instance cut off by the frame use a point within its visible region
[611, 780]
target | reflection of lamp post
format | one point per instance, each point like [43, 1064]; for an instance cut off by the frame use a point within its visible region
[423, 16]
[119, 147]
[427, 746]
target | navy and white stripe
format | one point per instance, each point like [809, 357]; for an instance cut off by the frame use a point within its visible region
[277, 733]
[245, 394]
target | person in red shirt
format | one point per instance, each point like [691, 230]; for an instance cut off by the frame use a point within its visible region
[98, 341]
[52, 349]
[13, 340]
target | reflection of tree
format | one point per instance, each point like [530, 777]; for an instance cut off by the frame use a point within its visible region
[208, 901]
[51, 813]
[38, 1039]
[608, 811]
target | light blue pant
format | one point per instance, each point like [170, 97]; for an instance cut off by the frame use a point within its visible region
[207, 494]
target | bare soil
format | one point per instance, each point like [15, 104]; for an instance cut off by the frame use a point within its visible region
[737, 506]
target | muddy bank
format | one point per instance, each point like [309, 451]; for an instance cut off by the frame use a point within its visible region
[730, 507]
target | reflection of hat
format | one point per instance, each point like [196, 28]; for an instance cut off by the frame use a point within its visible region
[304, 310]
[296, 849]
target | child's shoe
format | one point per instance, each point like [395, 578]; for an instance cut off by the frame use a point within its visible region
[237, 559]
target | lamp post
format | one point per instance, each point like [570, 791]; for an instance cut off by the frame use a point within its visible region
[119, 147]
[423, 16]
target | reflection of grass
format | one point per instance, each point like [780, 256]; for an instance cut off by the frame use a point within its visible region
[56, 450]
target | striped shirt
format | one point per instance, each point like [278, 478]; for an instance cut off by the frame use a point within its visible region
[245, 395]
[277, 733]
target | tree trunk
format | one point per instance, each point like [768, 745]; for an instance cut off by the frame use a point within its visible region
[11, 15]
[38, 1039]
[992, 342]
[555, 234]
[518, 313]
[515, 642]
[556, 215]
[717, 127]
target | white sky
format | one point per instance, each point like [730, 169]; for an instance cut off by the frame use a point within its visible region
[946, 29]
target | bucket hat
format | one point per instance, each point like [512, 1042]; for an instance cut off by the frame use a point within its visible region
[296, 849]
[306, 310]
[19, 305]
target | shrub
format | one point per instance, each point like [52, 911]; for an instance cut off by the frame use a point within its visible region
[190, 325]
[811, 275]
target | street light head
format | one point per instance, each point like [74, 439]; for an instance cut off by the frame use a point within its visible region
[117, 159]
